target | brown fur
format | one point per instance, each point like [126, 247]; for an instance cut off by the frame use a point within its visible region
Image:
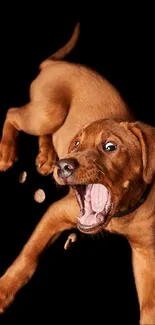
[65, 98]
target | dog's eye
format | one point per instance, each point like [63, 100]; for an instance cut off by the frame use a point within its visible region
[77, 142]
[109, 146]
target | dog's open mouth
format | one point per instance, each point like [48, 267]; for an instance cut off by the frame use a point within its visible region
[95, 203]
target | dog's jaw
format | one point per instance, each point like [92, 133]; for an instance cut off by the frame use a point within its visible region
[95, 204]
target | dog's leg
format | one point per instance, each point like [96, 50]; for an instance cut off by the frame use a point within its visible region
[34, 119]
[46, 158]
[14, 122]
[8, 145]
[60, 216]
[144, 273]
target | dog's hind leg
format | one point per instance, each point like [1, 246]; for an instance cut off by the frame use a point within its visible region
[34, 118]
[8, 145]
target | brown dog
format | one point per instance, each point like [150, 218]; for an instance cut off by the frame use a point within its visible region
[109, 165]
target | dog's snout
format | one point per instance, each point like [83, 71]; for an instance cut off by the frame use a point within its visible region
[66, 167]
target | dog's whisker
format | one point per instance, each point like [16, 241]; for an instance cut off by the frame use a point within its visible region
[100, 168]
[132, 188]
[101, 171]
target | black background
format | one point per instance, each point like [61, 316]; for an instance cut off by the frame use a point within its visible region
[92, 281]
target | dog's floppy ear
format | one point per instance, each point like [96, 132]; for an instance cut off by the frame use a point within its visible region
[146, 135]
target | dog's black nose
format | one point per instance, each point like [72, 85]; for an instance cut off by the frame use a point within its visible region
[66, 167]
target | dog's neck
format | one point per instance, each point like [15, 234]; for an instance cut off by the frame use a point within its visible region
[143, 198]
[137, 224]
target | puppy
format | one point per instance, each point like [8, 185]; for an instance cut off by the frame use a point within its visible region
[108, 165]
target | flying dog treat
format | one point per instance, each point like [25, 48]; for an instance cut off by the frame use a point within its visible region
[39, 196]
[22, 177]
[71, 239]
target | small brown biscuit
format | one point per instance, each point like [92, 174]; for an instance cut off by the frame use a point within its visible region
[71, 239]
[22, 177]
[39, 196]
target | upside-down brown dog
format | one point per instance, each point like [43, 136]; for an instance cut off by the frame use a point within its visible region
[109, 165]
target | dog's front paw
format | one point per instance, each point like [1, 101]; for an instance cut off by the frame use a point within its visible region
[6, 295]
[45, 162]
[8, 155]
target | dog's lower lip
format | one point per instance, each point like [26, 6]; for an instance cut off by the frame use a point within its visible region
[90, 229]
[80, 225]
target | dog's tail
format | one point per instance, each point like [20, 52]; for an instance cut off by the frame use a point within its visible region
[66, 49]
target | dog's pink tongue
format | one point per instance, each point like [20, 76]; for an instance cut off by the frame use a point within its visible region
[99, 196]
